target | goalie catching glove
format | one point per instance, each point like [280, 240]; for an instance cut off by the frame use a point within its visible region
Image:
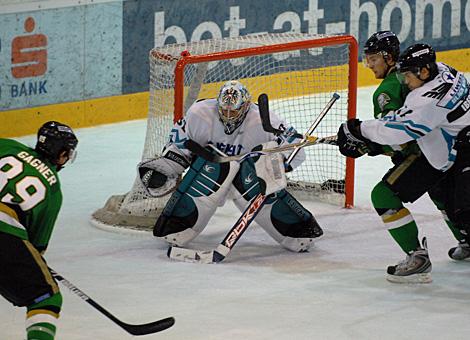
[353, 144]
[160, 176]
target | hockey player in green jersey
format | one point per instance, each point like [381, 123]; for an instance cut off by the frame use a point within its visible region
[435, 115]
[380, 55]
[30, 200]
[381, 52]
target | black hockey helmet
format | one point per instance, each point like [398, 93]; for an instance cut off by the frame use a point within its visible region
[416, 57]
[384, 42]
[55, 138]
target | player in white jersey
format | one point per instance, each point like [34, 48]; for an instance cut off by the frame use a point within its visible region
[232, 124]
[436, 115]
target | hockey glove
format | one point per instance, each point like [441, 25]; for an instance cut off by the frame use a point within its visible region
[160, 176]
[353, 144]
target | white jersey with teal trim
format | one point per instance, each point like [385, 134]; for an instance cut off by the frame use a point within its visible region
[432, 114]
[202, 125]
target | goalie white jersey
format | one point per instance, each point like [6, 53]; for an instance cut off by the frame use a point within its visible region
[202, 125]
[432, 114]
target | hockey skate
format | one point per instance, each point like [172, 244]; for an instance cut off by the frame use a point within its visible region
[461, 252]
[416, 268]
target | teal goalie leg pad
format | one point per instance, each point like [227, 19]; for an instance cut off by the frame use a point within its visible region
[282, 216]
[187, 212]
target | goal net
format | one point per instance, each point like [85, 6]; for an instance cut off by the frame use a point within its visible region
[298, 72]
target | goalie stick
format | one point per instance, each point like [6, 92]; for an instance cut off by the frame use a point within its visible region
[141, 329]
[263, 105]
[242, 224]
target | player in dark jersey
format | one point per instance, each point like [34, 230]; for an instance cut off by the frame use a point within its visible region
[30, 200]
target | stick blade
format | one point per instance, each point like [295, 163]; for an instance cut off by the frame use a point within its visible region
[190, 255]
[263, 105]
[149, 328]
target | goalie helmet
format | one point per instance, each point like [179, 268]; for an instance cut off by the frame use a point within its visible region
[416, 57]
[233, 104]
[53, 139]
[383, 42]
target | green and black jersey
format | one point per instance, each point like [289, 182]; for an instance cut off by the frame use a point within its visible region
[30, 195]
[389, 96]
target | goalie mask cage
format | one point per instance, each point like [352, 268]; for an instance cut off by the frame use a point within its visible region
[299, 73]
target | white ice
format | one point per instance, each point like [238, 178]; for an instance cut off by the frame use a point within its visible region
[261, 291]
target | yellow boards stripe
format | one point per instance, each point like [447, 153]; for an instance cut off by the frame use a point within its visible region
[105, 110]
[76, 114]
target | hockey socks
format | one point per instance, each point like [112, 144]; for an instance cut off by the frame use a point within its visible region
[41, 318]
[41, 325]
[397, 219]
[406, 235]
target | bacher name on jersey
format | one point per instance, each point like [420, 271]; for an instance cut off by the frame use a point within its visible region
[202, 125]
[432, 114]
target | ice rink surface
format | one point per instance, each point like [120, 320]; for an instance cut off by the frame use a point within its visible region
[261, 291]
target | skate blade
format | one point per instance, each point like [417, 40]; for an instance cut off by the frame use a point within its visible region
[465, 259]
[413, 279]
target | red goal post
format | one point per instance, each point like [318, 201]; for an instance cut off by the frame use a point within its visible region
[299, 72]
[186, 58]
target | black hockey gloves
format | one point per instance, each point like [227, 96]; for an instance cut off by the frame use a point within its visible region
[353, 144]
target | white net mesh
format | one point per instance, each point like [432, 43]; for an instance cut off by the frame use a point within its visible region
[299, 80]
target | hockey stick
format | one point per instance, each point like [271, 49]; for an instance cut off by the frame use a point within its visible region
[242, 224]
[315, 124]
[208, 155]
[224, 248]
[142, 329]
[263, 105]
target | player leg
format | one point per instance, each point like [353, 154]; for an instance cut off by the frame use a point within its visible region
[202, 190]
[453, 198]
[443, 198]
[406, 182]
[282, 216]
[27, 282]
